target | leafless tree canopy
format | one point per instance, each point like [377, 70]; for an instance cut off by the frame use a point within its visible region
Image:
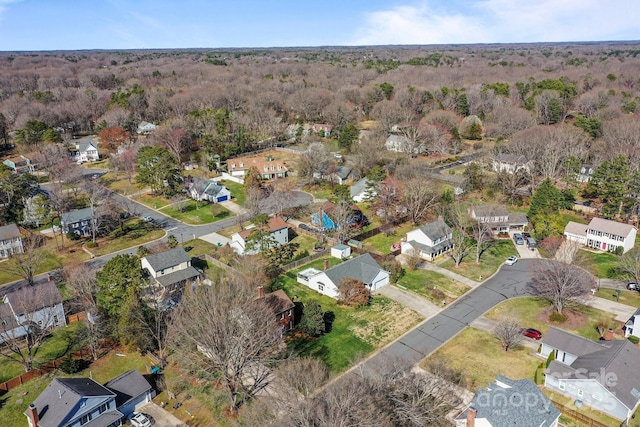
[509, 331]
[560, 283]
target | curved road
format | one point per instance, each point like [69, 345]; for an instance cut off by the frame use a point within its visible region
[415, 345]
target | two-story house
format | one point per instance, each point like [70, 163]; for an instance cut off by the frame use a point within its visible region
[266, 167]
[278, 231]
[360, 191]
[86, 150]
[281, 306]
[603, 374]
[632, 326]
[429, 241]
[508, 402]
[30, 306]
[602, 234]
[77, 221]
[322, 129]
[498, 218]
[363, 268]
[511, 163]
[209, 190]
[170, 269]
[75, 402]
[10, 241]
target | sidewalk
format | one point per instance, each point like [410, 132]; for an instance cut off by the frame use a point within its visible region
[622, 311]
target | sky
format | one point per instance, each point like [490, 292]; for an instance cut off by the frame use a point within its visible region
[150, 24]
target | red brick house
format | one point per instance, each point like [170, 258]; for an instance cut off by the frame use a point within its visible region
[281, 306]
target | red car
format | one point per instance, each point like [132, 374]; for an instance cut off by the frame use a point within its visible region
[532, 333]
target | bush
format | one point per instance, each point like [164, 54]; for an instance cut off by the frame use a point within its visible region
[301, 255]
[551, 358]
[634, 339]
[72, 236]
[92, 244]
[70, 365]
[437, 294]
[477, 145]
[557, 317]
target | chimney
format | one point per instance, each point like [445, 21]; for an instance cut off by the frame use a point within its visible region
[260, 291]
[32, 412]
[326, 264]
[471, 416]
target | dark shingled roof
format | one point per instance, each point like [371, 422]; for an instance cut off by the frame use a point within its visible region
[278, 301]
[167, 259]
[509, 403]
[178, 276]
[127, 386]
[76, 216]
[27, 299]
[363, 268]
[436, 229]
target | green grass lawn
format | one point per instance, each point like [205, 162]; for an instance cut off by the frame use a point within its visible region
[490, 261]
[51, 261]
[631, 298]
[154, 202]
[60, 342]
[306, 243]
[422, 282]
[119, 184]
[197, 213]
[137, 232]
[527, 309]
[237, 191]
[382, 243]
[602, 264]
[480, 356]
[321, 190]
[355, 331]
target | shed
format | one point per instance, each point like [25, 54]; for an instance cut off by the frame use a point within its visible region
[340, 251]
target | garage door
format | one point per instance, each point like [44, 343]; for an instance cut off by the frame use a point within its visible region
[222, 198]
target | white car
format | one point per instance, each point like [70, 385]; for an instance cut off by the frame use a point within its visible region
[138, 419]
[511, 260]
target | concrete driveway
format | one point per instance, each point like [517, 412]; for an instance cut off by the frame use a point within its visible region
[163, 418]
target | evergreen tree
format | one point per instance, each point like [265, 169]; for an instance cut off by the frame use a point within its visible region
[611, 183]
[312, 322]
[546, 200]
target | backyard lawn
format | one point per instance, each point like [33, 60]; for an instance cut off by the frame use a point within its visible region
[237, 191]
[490, 261]
[481, 357]
[432, 285]
[382, 242]
[196, 213]
[52, 261]
[355, 332]
[602, 264]
[530, 312]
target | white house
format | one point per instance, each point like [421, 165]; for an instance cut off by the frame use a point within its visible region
[402, 144]
[632, 327]
[508, 402]
[278, 235]
[603, 374]
[86, 151]
[498, 218]
[360, 192]
[38, 305]
[429, 241]
[171, 268]
[511, 163]
[10, 241]
[145, 128]
[602, 234]
[209, 190]
[363, 268]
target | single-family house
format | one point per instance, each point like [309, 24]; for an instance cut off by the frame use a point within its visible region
[343, 175]
[584, 175]
[74, 402]
[86, 150]
[602, 234]
[170, 269]
[326, 217]
[10, 241]
[39, 305]
[511, 163]
[266, 167]
[322, 129]
[603, 374]
[281, 306]
[278, 231]
[363, 268]
[402, 144]
[145, 128]
[77, 221]
[209, 190]
[429, 241]
[24, 163]
[498, 218]
[508, 402]
[360, 191]
[630, 327]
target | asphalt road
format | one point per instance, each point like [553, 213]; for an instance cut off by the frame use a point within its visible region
[509, 282]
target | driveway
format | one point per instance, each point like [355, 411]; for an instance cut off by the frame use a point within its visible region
[408, 299]
[162, 417]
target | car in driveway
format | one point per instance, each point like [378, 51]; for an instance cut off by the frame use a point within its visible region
[511, 260]
[517, 237]
[138, 419]
[633, 286]
[532, 333]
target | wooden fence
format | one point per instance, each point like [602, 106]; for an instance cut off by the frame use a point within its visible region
[73, 318]
[583, 419]
[302, 261]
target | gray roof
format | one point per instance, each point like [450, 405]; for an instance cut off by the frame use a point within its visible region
[7, 315]
[511, 158]
[9, 231]
[178, 276]
[104, 420]
[518, 218]
[167, 259]
[62, 397]
[490, 210]
[432, 249]
[344, 172]
[436, 229]
[363, 268]
[569, 343]
[208, 186]
[76, 216]
[358, 187]
[520, 403]
[128, 386]
[576, 228]
[86, 145]
[608, 226]
[28, 299]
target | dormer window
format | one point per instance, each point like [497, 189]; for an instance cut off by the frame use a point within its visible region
[241, 164]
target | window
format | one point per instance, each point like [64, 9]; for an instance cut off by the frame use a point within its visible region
[55, 319]
[103, 408]
[85, 419]
[561, 385]
[321, 287]
[580, 392]
[282, 315]
[233, 165]
[241, 164]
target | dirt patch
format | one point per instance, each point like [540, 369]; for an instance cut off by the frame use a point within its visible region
[574, 319]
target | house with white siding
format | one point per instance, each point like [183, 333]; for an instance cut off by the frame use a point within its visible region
[278, 231]
[429, 241]
[10, 241]
[602, 234]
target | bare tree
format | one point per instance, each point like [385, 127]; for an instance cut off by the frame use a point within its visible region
[224, 330]
[508, 331]
[629, 264]
[316, 161]
[413, 259]
[420, 199]
[559, 282]
[462, 242]
[95, 194]
[483, 236]
[27, 264]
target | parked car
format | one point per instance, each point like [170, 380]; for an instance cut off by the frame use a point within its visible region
[532, 333]
[147, 218]
[139, 419]
[526, 235]
[517, 237]
[531, 243]
[511, 260]
[632, 286]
